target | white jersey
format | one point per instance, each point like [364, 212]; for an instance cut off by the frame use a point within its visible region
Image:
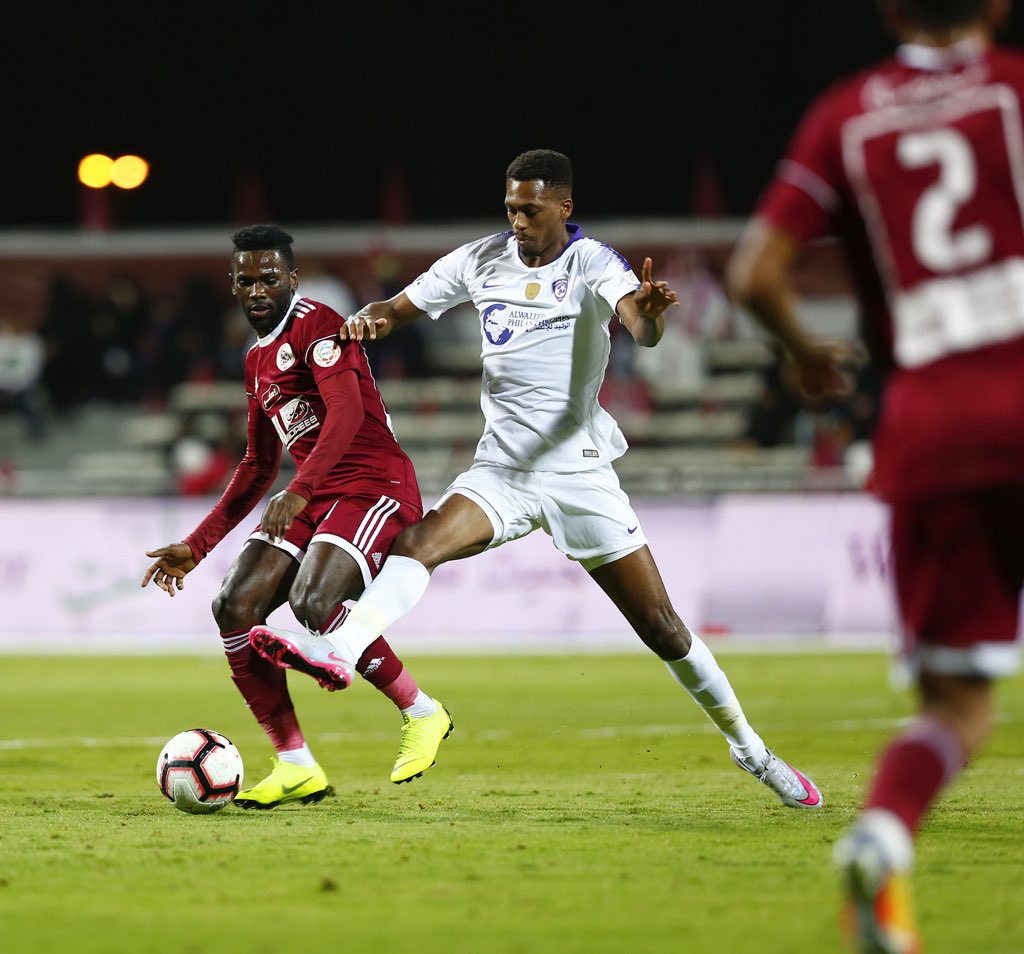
[545, 345]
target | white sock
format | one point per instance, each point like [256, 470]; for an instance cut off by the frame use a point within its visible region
[398, 587]
[301, 756]
[700, 675]
[890, 834]
[421, 706]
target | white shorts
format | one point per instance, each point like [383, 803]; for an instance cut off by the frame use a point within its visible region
[587, 515]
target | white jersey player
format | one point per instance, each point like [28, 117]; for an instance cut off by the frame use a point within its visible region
[546, 295]
[545, 345]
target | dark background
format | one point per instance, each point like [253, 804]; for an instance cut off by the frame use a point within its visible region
[410, 112]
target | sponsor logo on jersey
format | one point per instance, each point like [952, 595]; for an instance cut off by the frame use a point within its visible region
[285, 357]
[495, 322]
[326, 352]
[590, 452]
[294, 419]
[532, 290]
[297, 410]
[560, 286]
[270, 396]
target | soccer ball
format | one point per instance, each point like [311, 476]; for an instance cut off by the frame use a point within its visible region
[199, 771]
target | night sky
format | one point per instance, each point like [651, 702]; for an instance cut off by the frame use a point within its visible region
[286, 112]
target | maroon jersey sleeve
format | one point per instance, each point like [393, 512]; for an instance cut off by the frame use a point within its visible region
[803, 197]
[252, 479]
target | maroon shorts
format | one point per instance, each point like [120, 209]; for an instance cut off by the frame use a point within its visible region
[364, 527]
[959, 571]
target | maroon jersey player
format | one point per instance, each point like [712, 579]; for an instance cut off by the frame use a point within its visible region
[917, 166]
[325, 535]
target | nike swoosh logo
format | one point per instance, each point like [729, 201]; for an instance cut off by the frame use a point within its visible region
[631, 529]
[490, 284]
[288, 789]
[337, 658]
[812, 797]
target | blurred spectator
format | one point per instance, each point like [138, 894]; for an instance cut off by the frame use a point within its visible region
[159, 371]
[197, 330]
[22, 357]
[843, 431]
[238, 337]
[115, 330]
[772, 419]
[319, 284]
[403, 354]
[204, 454]
[703, 312]
[65, 330]
[624, 392]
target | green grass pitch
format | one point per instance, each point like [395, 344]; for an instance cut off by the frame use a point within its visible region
[583, 805]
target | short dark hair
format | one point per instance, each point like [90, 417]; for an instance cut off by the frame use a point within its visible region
[553, 167]
[941, 14]
[260, 238]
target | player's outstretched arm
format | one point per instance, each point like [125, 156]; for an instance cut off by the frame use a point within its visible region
[643, 312]
[379, 318]
[172, 563]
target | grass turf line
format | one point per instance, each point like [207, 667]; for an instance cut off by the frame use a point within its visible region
[582, 805]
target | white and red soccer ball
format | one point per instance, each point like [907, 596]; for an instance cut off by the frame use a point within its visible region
[199, 771]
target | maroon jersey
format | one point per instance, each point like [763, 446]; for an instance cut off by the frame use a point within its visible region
[917, 165]
[315, 396]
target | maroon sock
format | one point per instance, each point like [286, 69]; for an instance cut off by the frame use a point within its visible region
[265, 690]
[913, 768]
[334, 619]
[383, 670]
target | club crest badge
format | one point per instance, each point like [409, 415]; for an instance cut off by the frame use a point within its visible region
[285, 357]
[559, 287]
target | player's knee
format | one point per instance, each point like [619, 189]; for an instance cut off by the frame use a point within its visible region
[310, 608]
[232, 611]
[409, 542]
[664, 633]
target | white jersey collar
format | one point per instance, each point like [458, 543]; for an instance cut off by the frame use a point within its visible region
[271, 336]
[935, 58]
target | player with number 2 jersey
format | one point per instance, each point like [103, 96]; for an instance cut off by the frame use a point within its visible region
[918, 163]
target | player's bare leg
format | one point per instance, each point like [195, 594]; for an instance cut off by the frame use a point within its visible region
[634, 584]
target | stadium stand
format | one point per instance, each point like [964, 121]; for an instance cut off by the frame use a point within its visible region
[177, 393]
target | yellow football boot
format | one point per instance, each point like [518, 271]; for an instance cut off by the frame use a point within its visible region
[286, 783]
[421, 738]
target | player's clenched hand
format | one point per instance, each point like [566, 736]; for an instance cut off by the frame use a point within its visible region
[172, 563]
[824, 371]
[283, 508]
